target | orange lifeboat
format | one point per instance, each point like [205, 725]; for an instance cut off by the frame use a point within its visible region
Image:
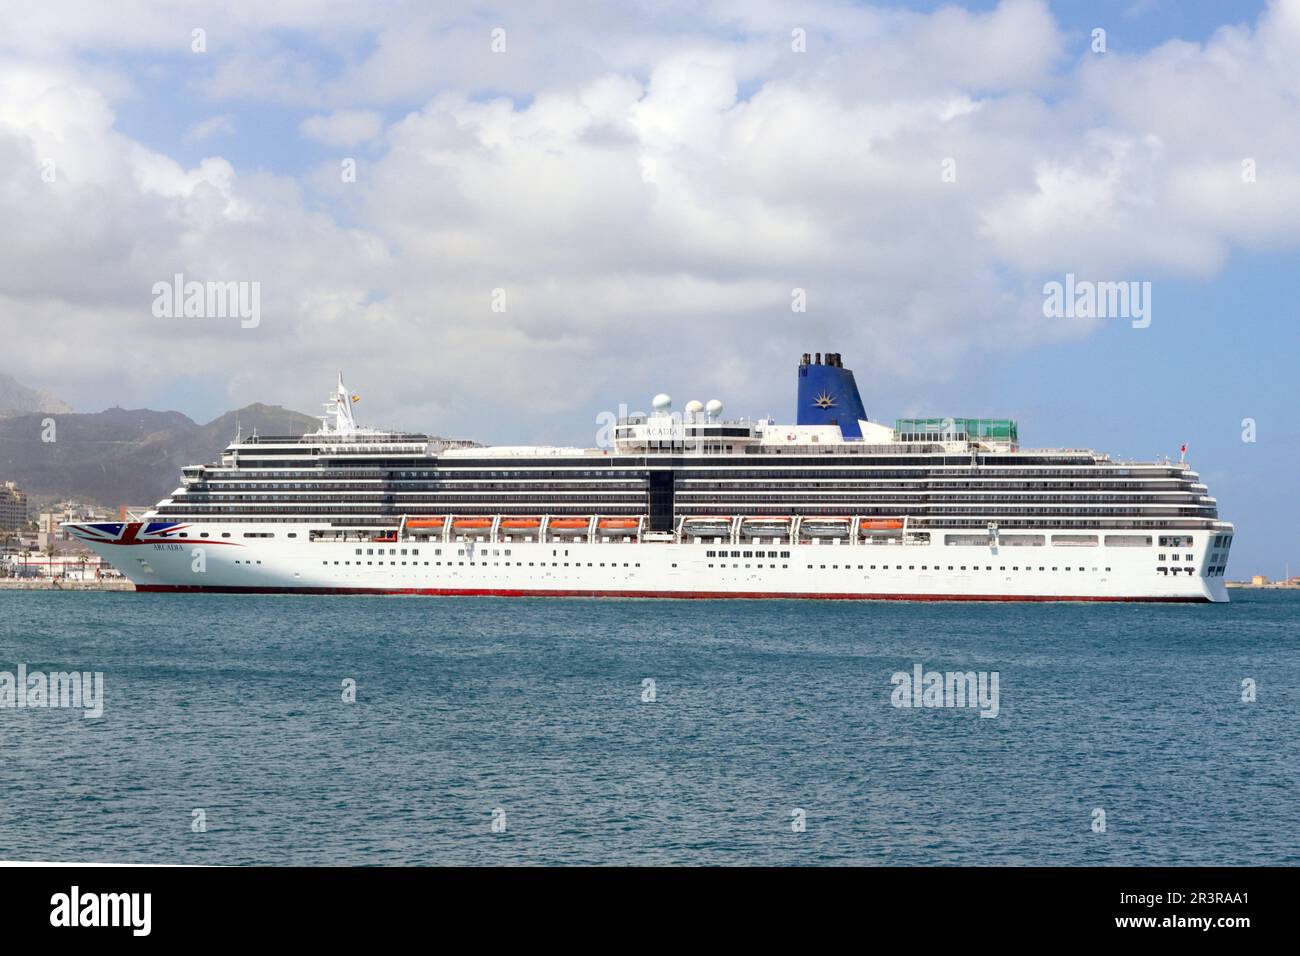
[569, 524]
[520, 524]
[471, 524]
[425, 522]
[618, 524]
[881, 524]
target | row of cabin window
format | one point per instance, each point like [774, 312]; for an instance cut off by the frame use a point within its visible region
[247, 534]
[747, 554]
[403, 550]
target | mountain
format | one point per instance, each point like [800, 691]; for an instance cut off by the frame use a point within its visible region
[209, 439]
[18, 399]
[124, 456]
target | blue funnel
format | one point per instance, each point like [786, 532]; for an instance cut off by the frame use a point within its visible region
[828, 395]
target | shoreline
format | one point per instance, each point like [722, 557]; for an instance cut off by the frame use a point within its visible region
[55, 584]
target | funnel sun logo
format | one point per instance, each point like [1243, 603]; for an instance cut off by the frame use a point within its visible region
[824, 400]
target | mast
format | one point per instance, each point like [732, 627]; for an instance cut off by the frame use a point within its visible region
[344, 423]
[339, 404]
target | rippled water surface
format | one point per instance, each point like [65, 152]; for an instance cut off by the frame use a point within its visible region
[233, 704]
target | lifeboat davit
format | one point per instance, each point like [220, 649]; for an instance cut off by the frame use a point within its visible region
[618, 524]
[426, 522]
[881, 524]
[520, 524]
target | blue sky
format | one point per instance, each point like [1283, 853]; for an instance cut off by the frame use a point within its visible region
[648, 183]
[1217, 352]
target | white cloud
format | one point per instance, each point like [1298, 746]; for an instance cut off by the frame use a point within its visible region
[647, 206]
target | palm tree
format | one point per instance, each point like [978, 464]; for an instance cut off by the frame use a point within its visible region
[7, 536]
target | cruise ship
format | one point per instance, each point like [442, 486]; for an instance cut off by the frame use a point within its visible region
[684, 505]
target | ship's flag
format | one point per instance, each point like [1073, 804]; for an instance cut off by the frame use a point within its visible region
[1182, 451]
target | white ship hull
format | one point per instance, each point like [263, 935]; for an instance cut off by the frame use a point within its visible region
[229, 561]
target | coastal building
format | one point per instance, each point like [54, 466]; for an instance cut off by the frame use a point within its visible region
[34, 565]
[49, 530]
[13, 507]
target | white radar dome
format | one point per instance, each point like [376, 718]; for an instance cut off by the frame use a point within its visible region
[714, 408]
[694, 407]
[661, 402]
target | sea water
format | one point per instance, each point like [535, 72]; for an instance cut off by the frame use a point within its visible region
[352, 730]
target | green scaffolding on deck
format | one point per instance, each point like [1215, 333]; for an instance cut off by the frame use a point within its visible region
[955, 429]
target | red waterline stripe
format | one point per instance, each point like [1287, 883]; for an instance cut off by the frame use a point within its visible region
[686, 595]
